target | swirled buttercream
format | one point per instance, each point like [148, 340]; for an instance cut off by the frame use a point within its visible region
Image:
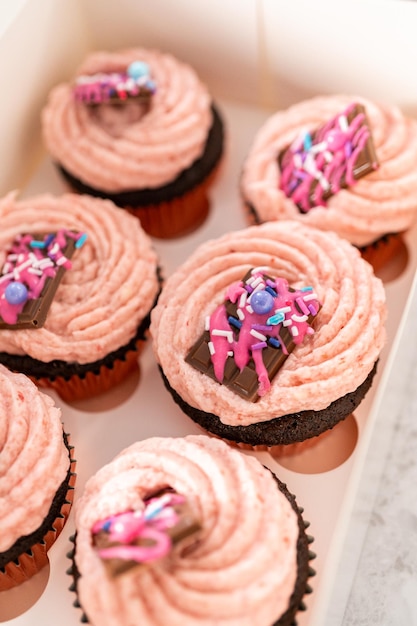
[34, 460]
[109, 289]
[126, 147]
[335, 360]
[241, 572]
[383, 201]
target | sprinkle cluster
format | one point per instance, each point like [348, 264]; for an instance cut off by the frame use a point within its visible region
[140, 536]
[101, 88]
[268, 315]
[28, 265]
[317, 165]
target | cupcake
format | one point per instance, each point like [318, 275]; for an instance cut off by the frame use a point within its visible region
[188, 531]
[139, 127]
[36, 478]
[78, 280]
[340, 163]
[271, 334]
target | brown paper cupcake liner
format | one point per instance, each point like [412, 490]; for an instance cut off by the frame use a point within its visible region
[33, 559]
[382, 252]
[179, 216]
[93, 383]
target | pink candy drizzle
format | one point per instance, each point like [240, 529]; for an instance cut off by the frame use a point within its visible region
[329, 159]
[150, 524]
[257, 329]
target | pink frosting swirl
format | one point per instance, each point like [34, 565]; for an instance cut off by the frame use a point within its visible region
[109, 289]
[119, 147]
[34, 460]
[383, 201]
[241, 572]
[335, 360]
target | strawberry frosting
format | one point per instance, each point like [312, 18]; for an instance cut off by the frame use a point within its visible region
[34, 460]
[122, 147]
[109, 289]
[383, 201]
[242, 570]
[335, 360]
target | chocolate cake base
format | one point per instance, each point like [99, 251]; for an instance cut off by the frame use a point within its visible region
[25, 543]
[304, 569]
[284, 430]
[187, 180]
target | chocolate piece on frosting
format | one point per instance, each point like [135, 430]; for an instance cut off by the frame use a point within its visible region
[40, 286]
[334, 156]
[133, 538]
[273, 335]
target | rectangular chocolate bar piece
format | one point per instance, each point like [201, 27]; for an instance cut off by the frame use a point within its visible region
[35, 310]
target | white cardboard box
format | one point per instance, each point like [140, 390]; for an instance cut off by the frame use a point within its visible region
[255, 56]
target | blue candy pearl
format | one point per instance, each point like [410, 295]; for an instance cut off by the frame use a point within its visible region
[137, 69]
[262, 302]
[16, 293]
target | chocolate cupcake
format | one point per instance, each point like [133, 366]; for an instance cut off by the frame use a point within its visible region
[78, 280]
[271, 334]
[138, 127]
[341, 163]
[189, 531]
[36, 478]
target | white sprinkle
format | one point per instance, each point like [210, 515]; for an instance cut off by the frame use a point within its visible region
[318, 147]
[258, 335]
[230, 353]
[6, 277]
[343, 123]
[284, 309]
[16, 274]
[20, 258]
[324, 182]
[287, 323]
[240, 314]
[328, 156]
[6, 268]
[310, 296]
[249, 309]
[223, 333]
[207, 323]
[257, 281]
[294, 331]
[210, 345]
[54, 249]
[298, 161]
[12, 257]
[242, 299]
[24, 265]
[44, 263]
[34, 270]
[62, 259]
[299, 318]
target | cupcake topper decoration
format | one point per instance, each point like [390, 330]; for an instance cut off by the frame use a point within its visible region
[30, 276]
[115, 87]
[319, 164]
[250, 335]
[132, 538]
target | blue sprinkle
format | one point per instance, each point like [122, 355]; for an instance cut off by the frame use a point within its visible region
[37, 244]
[107, 525]
[234, 322]
[274, 342]
[306, 289]
[81, 241]
[276, 319]
[49, 239]
[307, 141]
[271, 291]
